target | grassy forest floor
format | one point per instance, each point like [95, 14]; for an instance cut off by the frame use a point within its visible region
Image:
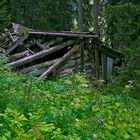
[66, 109]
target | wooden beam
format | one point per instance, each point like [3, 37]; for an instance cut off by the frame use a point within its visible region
[106, 50]
[45, 45]
[63, 34]
[15, 44]
[59, 62]
[38, 66]
[18, 55]
[40, 54]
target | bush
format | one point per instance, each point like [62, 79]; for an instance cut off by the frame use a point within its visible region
[65, 109]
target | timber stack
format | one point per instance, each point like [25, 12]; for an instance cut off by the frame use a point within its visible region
[53, 54]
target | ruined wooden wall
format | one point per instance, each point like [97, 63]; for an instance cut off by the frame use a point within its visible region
[53, 54]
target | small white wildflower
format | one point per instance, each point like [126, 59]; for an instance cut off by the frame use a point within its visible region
[130, 82]
[100, 121]
[94, 136]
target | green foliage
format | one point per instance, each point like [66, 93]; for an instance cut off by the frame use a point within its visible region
[4, 15]
[122, 30]
[65, 109]
[43, 15]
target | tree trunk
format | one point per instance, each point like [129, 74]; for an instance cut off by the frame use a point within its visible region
[95, 23]
[81, 28]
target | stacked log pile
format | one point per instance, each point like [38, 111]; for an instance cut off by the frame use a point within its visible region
[54, 54]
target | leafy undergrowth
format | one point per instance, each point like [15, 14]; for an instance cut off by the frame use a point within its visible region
[67, 109]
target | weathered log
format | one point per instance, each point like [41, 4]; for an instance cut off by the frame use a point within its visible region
[62, 59]
[29, 44]
[46, 45]
[15, 44]
[30, 51]
[38, 66]
[63, 34]
[19, 55]
[75, 65]
[11, 37]
[38, 55]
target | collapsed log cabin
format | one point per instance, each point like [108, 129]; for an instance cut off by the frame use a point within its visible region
[56, 54]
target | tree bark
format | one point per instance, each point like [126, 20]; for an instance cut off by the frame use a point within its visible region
[59, 62]
[39, 54]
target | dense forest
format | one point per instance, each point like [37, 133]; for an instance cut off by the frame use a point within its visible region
[73, 107]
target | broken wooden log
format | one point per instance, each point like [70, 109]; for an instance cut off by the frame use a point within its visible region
[46, 45]
[11, 37]
[58, 63]
[63, 34]
[15, 44]
[38, 66]
[19, 55]
[38, 55]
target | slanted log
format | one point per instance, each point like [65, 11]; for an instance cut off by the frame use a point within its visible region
[58, 63]
[15, 44]
[38, 55]
[38, 66]
[45, 45]
[19, 55]
[11, 37]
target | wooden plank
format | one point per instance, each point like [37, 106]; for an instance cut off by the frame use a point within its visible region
[45, 45]
[15, 44]
[106, 50]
